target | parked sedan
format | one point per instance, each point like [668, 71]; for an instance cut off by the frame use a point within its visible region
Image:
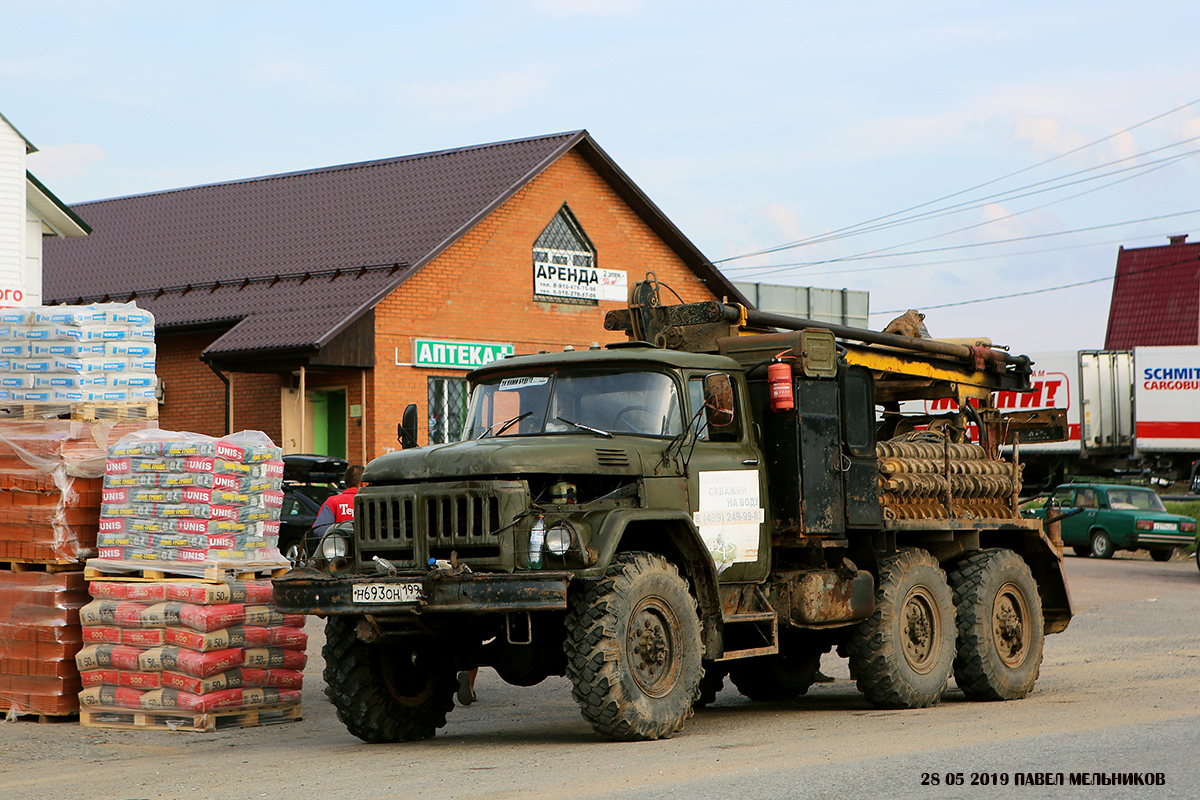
[1111, 518]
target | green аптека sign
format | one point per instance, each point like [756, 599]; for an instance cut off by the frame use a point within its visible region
[457, 355]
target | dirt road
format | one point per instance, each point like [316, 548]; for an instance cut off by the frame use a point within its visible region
[1118, 693]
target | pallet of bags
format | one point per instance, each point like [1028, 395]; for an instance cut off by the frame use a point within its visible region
[66, 357]
[188, 655]
[182, 502]
[40, 636]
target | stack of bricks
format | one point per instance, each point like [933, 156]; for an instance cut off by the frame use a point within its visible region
[39, 638]
[188, 654]
[51, 475]
[50, 495]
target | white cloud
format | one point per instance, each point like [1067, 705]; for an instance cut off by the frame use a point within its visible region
[484, 98]
[591, 8]
[784, 221]
[287, 73]
[64, 161]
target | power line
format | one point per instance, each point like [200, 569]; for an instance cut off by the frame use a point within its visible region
[965, 228]
[1107, 243]
[824, 237]
[1012, 194]
[1043, 290]
[1031, 237]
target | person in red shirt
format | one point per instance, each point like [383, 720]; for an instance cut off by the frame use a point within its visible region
[339, 507]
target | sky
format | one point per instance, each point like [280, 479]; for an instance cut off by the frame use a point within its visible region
[1030, 140]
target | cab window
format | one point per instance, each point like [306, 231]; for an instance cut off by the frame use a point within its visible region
[705, 433]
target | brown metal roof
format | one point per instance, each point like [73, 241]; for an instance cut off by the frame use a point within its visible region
[1156, 296]
[290, 260]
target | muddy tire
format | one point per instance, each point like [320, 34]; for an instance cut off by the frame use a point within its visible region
[902, 655]
[633, 649]
[771, 679]
[387, 691]
[1102, 546]
[1000, 626]
[1161, 554]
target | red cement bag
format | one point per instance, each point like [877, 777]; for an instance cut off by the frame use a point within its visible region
[274, 657]
[233, 636]
[190, 662]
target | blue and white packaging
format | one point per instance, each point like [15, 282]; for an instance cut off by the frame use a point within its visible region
[132, 380]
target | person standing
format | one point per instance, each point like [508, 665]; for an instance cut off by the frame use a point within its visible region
[339, 507]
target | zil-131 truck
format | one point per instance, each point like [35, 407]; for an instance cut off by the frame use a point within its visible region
[725, 494]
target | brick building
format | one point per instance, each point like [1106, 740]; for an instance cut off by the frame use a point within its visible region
[315, 305]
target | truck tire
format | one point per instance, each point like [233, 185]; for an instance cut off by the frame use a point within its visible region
[633, 649]
[902, 655]
[1162, 554]
[770, 679]
[1000, 626]
[1102, 546]
[386, 691]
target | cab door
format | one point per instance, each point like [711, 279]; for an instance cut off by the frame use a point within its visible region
[727, 486]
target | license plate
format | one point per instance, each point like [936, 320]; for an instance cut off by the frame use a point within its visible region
[386, 593]
[1164, 526]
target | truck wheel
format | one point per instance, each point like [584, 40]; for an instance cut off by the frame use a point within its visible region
[901, 656]
[1161, 554]
[1082, 550]
[633, 649]
[386, 691]
[1000, 626]
[770, 679]
[1102, 546]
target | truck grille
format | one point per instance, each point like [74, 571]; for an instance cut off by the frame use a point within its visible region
[408, 525]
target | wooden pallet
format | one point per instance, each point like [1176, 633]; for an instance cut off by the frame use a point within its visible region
[89, 412]
[104, 569]
[39, 565]
[129, 719]
[36, 716]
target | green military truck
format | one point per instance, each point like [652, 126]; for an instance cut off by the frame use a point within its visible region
[724, 494]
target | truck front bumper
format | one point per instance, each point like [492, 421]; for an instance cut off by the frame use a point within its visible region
[307, 591]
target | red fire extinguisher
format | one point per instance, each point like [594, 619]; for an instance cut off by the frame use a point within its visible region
[779, 382]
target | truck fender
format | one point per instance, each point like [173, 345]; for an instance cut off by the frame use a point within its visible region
[673, 535]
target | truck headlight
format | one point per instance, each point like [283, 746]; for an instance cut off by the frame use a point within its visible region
[559, 539]
[333, 546]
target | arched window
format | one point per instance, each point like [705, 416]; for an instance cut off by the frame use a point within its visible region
[564, 262]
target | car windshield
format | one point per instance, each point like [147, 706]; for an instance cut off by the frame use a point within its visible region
[597, 403]
[1131, 499]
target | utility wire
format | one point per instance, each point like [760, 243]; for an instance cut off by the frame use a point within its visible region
[992, 221]
[1012, 194]
[961, 192]
[1047, 289]
[866, 256]
[1040, 251]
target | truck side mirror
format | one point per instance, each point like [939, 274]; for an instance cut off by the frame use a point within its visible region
[406, 431]
[718, 400]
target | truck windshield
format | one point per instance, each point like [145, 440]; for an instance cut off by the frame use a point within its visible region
[638, 403]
